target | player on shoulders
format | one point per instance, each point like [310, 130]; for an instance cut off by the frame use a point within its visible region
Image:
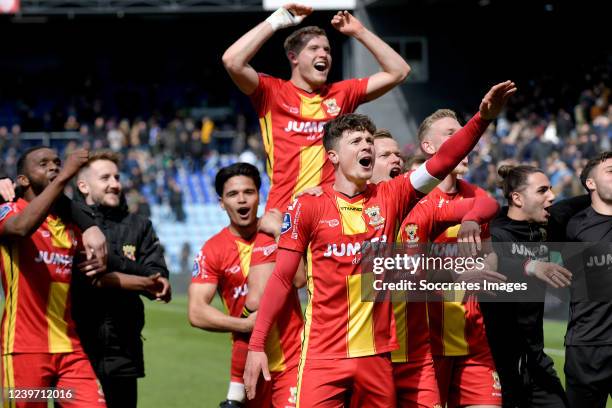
[292, 112]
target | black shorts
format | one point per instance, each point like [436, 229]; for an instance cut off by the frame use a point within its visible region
[588, 375]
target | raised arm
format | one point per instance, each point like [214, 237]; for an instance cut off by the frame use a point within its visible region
[460, 144]
[237, 57]
[207, 317]
[394, 68]
[28, 220]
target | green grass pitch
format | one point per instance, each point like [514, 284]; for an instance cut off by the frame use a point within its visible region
[187, 367]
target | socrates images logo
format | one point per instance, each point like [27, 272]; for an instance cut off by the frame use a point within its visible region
[9, 6]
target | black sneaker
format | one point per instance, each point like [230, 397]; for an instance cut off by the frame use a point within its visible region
[231, 404]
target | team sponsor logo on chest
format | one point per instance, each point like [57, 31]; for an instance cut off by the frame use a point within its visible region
[343, 249]
[376, 220]
[539, 252]
[129, 251]
[63, 262]
[599, 260]
[308, 127]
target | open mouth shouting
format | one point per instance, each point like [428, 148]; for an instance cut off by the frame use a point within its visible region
[321, 65]
[366, 161]
[395, 171]
[244, 213]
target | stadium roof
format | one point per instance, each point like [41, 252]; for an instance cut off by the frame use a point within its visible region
[120, 7]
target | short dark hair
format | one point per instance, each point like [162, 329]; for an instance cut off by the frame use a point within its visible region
[21, 162]
[591, 164]
[417, 159]
[352, 122]
[514, 178]
[236, 169]
[298, 39]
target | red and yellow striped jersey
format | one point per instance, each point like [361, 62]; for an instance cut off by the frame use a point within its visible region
[331, 230]
[36, 274]
[291, 122]
[224, 260]
[456, 328]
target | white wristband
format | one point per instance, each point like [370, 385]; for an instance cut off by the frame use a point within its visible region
[282, 18]
[530, 267]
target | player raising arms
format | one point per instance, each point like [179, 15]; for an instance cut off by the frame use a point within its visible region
[40, 347]
[330, 229]
[464, 367]
[413, 368]
[292, 113]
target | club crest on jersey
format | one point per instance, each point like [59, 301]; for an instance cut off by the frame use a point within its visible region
[543, 233]
[496, 382]
[375, 218]
[292, 395]
[286, 226]
[5, 209]
[129, 251]
[331, 106]
[411, 231]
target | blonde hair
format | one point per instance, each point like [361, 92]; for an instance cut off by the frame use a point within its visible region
[429, 121]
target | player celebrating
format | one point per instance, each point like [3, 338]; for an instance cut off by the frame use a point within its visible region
[515, 329]
[223, 265]
[331, 229]
[589, 330]
[464, 367]
[389, 161]
[40, 347]
[292, 113]
[413, 368]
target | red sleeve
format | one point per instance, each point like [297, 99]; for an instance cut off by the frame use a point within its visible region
[7, 211]
[266, 89]
[484, 209]
[427, 219]
[417, 226]
[264, 250]
[354, 93]
[203, 267]
[297, 228]
[274, 297]
[404, 193]
[450, 154]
